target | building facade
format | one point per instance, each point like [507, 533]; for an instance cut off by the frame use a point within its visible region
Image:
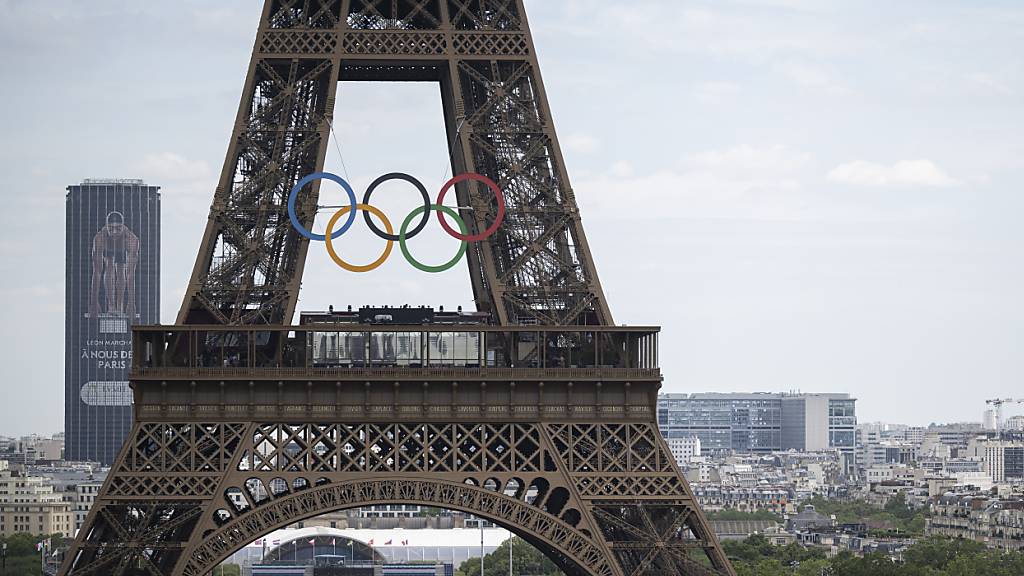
[761, 423]
[684, 449]
[30, 505]
[1013, 462]
[112, 283]
[817, 422]
[724, 422]
[1002, 460]
[996, 523]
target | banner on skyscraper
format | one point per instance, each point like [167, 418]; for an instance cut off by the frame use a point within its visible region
[113, 252]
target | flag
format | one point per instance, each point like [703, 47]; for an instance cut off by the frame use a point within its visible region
[312, 542]
[39, 546]
[388, 543]
[334, 541]
[276, 542]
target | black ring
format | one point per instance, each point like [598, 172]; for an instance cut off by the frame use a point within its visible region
[426, 205]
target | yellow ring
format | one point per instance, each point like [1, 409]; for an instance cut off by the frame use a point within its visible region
[350, 267]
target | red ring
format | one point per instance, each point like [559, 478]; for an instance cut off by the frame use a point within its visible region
[497, 194]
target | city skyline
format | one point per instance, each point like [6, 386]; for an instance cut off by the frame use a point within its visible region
[878, 267]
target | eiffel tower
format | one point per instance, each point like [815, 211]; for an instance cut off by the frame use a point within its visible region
[546, 424]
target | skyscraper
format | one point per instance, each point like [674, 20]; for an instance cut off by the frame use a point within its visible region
[112, 283]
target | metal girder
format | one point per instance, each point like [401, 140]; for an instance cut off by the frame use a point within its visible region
[599, 498]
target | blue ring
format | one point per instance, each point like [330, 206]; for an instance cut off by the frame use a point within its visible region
[322, 176]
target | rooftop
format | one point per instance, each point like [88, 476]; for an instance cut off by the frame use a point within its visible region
[113, 181]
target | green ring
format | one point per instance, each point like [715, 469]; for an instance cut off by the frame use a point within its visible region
[405, 249]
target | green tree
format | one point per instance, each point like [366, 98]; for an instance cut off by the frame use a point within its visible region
[898, 507]
[525, 560]
[729, 514]
[814, 567]
[763, 567]
[938, 552]
[22, 557]
[896, 516]
[929, 557]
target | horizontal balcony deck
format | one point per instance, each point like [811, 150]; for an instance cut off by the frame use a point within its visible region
[415, 374]
[373, 351]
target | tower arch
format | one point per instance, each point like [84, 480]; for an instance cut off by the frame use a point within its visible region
[573, 551]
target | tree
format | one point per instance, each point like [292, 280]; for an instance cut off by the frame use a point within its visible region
[764, 567]
[898, 507]
[525, 560]
[930, 557]
[813, 568]
[22, 556]
[938, 552]
[730, 514]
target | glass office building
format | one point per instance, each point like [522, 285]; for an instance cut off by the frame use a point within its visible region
[112, 282]
[723, 422]
[761, 423]
[1013, 462]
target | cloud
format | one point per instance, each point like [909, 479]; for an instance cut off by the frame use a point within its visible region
[171, 167]
[581, 143]
[715, 92]
[757, 30]
[902, 173]
[744, 182]
[990, 83]
[815, 77]
[188, 185]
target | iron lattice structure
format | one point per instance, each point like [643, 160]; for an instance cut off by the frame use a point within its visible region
[568, 457]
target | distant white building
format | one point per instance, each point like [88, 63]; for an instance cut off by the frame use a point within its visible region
[914, 434]
[1003, 460]
[988, 420]
[884, 472]
[889, 452]
[453, 546]
[684, 450]
[30, 504]
[390, 511]
[933, 447]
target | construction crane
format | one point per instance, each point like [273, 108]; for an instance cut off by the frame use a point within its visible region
[998, 405]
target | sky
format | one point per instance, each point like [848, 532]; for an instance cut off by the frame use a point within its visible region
[807, 195]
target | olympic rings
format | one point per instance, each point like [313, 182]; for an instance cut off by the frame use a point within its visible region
[497, 194]
[416, 263]
[350, 267]
[321, 176]
[419, 186]
[404, 234]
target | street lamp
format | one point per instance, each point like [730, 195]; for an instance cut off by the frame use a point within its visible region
[5, 557]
